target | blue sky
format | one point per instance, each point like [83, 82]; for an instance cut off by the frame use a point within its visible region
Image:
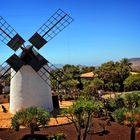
[102, 30]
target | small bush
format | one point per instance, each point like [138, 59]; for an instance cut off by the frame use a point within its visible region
[31, 117]
[98, 109]
[58, 136]
[118, 114]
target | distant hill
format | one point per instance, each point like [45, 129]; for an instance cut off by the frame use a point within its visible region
[135, 63]
[58, 65]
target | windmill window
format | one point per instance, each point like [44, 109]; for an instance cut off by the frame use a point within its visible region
[41, 69]
[60, 14]
[57, 31]
[65, 23]
[42, 33]
[44, 78]
[8, 39]
[43, 27]
[54, 21]
[43, 72]
[49, 37]
[47, 68]
[55, 16]
[2, 35]
[3, 38]
[2, 21]
[46, 74]
[51, 24]
[6, 25]
[3, 27]
[40, 73]
[59, 11]
[66, 18]
[53, 33]
[47, 28]
[61, 27]
[0, 18]
[11, 33]
[51, 19]
[9, 28]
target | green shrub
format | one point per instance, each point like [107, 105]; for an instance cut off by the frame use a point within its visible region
[31, 117]
[132, 100]
[118, 114]
[57, 136]
[111, 105]
[98, 108]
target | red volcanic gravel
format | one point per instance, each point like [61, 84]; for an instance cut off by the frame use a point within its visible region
[114, 132]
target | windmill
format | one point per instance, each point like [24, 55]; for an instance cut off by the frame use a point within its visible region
[30, 71]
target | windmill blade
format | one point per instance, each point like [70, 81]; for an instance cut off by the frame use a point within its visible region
[55, 24]
[9, 36]
[15, 62]
[59, 77]
[46, 74]
[6, 70]
[38, 61]
[11, 66]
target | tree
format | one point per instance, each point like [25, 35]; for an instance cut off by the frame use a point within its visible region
[71, 88]
[107, 72]
[93, 86]
[117, 87]
[97, 84]
[114, 72]
[81, 113]
[55, 76]
[123, 69]
[70, 83]
[132, 100]
[66, 79]
[87, 69]
[32, 118]
[70, 72]
[132, 82]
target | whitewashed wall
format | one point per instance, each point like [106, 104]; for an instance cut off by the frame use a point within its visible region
[29, 89]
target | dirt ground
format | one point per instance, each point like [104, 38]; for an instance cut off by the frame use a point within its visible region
[113, 132]
[5, 118]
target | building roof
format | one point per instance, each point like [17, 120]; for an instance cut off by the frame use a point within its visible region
[88, 75]
[134, 73]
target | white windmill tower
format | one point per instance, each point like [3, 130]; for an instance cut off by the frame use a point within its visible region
[30, 72]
